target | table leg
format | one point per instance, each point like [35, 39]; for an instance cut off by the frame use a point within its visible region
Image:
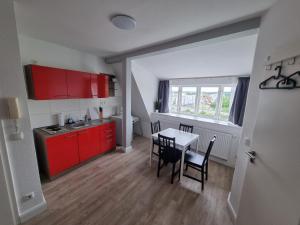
[150, 150]
[182, 163]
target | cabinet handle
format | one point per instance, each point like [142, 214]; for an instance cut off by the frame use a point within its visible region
[109, 135]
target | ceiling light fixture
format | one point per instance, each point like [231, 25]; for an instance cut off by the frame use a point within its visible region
[123, 22]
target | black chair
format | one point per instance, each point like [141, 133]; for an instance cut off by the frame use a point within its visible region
[186, 128]
[155, 128]
[169, 154]
[199, 162]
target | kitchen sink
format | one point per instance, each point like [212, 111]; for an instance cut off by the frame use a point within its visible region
[79, 125]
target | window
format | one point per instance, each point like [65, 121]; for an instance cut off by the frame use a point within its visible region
[226, 101]
[188, 99]
[204, 101]
[208, 101]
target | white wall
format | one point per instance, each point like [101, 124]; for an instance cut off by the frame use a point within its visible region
[20, 154]
[138, 109]
[147, 83]
[279, 26]
[144, 93]
[43, 113]
[50, 54]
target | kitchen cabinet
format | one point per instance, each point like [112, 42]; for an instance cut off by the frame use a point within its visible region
[62, 153]
[46, 82]
[103, 86]
[79, 84]
[59, 153]
[94, 86]
[88, 143]
[107, 137]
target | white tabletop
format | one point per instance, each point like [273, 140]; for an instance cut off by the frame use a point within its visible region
[182, 139]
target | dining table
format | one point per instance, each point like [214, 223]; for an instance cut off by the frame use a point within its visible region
[182, 141]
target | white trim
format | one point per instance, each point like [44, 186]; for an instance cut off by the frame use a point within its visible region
[127, 149]
[34, 211]
[231, 210]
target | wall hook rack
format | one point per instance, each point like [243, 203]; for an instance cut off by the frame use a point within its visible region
[283, 82]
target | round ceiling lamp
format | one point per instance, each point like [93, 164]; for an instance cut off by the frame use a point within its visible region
[123, 22]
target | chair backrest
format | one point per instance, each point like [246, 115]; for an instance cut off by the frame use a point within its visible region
[211, 144]
[155, 127]
[186, 128]
[166, 149]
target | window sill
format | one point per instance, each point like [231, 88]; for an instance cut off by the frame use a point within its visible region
[201, 119]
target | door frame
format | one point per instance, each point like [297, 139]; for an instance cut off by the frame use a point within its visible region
[7, 175]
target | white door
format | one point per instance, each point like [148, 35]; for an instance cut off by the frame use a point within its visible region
[271, 192]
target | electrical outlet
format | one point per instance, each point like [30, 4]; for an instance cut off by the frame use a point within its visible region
[28, 197]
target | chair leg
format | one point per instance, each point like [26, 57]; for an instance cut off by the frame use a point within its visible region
[173, 172]
[152, 146]
[186, 167]
[179, 170]
[158, 167]
[202, 178]
[206, 171]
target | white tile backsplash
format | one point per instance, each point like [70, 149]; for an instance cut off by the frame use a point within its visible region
[64, 105]
[41, 120]
[38, 106]
[44, 113]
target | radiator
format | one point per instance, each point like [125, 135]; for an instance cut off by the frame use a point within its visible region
[222, 145]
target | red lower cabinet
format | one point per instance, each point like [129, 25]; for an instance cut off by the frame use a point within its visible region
[88, 143]
[67, 150]
[62, 152]
[107, 137]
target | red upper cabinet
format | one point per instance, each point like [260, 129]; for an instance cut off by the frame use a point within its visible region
[103, 86]
[94, 86]
[62, 153]
[79, 84]
[46, 82]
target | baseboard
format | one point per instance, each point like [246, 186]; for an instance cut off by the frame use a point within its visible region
[32, 212]
[127, 149]
[231, 210]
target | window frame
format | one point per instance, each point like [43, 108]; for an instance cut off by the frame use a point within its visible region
[217, 115]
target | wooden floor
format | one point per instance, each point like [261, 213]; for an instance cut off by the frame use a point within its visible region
[121, 189]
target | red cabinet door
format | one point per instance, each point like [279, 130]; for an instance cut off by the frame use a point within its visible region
[79, 84]
[103, 86]
[46, 82]
[107, 137]
[62, 153]
[94, 86]
[94, 140]
[88, 143]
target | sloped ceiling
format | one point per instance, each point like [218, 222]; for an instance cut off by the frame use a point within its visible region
[232, 57]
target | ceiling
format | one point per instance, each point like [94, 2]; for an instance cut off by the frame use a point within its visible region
[85, 24]
[233, 57]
